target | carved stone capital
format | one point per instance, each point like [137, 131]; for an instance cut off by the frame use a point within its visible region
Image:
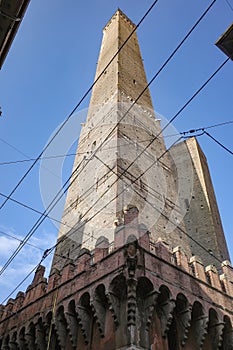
[40, 335]
[150, 303]
[22, 345]
[184, 323]
[60, 328]
[84, 320]
[216, 334]
[99, 312]
[228, 339]
[114, 306]
[201, 329]
[12, 342]
[72, 327]
[132, 301]
[165, 313]
[131, 258]
[12, 345]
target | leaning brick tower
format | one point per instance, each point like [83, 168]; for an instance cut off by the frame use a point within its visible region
[111, 170]
[144, 263]
[122, 162]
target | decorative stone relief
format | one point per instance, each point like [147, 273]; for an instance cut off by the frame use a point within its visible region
[228, 340]
[72, 327]
[132, 258]
[132, 301]
[165, 313]
[12, 342]
[84, 321]
[13, 345]
[131, 261]
[40, 336]
[114, 306]
[99, 312]
[30, 339]
[201, 329]
[5, 343]
[46, 326]
[184, 323]
[22, 342]
[216, 334]
[150, 303]
[60, 328]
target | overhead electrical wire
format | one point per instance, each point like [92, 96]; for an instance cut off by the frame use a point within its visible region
[19, 240]
[143, 197]
[49, 251]
[13, 147]
[175, 116]
[63, 155]
[78, 104]
[153, 78]
[36, 211]
[219, 143]
[206, 127]
[30, 159]
[190, 100]
[43, 216]
[230, 6]
[197, 92]
[161, 68]
[114, 198]
[52, 205]
[172, 119]
[33, 159]
[103, 71]
[29, 244]
[191, 131]
[80, 153]
[58, 196]
[25, 278]
[28, 207]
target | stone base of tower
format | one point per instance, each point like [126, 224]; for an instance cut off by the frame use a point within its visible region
[139, 296]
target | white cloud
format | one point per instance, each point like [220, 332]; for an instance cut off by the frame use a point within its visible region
[25, 261]
[7, 246]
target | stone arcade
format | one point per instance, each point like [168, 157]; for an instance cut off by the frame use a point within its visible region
[141, 260]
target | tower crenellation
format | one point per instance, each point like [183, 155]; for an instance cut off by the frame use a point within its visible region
[141, 261]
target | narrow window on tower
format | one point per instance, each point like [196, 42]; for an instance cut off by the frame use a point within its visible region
[186, 204]
[76, 202]
[141, 184]
[93, 145]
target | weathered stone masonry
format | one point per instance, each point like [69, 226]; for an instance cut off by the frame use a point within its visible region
[143, 274]
[139, 296]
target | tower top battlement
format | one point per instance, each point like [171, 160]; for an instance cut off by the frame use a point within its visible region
[120, 74]
[141, 260]
[116, 15]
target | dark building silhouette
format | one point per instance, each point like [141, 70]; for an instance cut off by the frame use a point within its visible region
[11, 15]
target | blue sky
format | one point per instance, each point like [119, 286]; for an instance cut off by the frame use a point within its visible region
[52, 63]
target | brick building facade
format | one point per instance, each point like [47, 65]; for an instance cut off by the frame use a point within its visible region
[144, 262]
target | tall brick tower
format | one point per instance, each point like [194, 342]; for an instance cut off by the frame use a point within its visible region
[122, 162]
[116, 172]
[141, 225]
